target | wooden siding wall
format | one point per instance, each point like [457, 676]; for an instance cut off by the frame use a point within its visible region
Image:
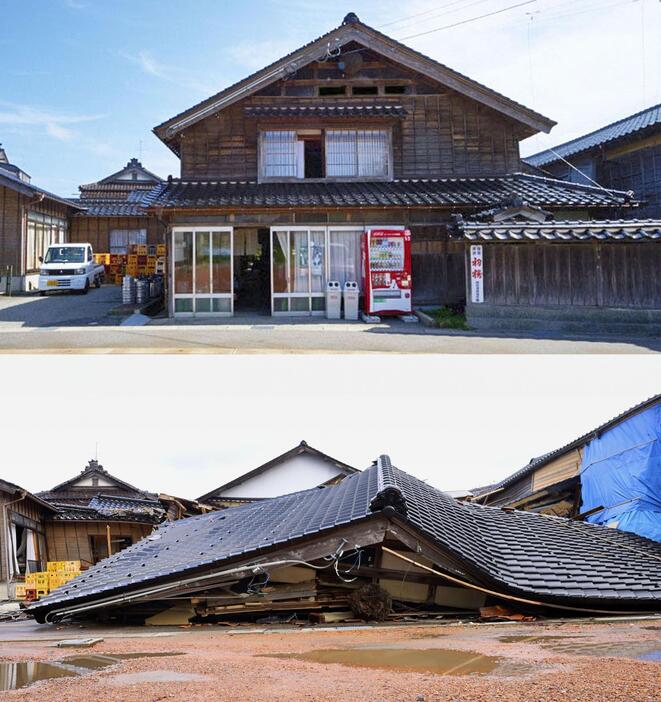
[11, 228]
[96, 230]
[13, 211]
[437, 267]
[639, 171]
[443, 134]
[70, 541]
[562, 468]
[600, 275]
[27, 508]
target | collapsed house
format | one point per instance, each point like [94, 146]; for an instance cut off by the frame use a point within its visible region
[380, 540]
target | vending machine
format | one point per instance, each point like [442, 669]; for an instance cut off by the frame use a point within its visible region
[387, 271]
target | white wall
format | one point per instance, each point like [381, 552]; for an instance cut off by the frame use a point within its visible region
[298, 473]
[87, 482]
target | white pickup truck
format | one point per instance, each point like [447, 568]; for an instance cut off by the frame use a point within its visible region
[69, 267]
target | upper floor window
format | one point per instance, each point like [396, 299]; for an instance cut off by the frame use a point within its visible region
[330, 153]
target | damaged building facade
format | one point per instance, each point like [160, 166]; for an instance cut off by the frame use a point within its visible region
[610, 475]
[378, 542]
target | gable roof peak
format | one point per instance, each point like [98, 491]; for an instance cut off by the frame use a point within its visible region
[351, 18]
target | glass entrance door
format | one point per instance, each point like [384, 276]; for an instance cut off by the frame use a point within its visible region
[298, 270]
[202, 276]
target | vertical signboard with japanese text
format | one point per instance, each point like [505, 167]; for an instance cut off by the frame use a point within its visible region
[477, 274]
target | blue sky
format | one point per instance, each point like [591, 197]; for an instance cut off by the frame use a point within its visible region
[83, 82]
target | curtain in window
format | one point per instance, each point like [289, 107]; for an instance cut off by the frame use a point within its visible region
[300, 261]
[345, 256]
[356, 153]
[13, 559]
[279, 154]
[31, 552]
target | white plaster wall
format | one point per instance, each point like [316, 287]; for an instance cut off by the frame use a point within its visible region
[298, 473]
[87, 482]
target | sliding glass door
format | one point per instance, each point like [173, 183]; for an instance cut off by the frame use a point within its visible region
[298, 270]
[202, 275]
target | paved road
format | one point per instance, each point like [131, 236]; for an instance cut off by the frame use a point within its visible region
[262, 335]
[62, 309]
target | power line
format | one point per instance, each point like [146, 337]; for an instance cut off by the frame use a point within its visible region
[422, 14]
[434, 12]
[466, 21]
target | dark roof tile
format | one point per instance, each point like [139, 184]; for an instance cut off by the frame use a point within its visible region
[483, 539]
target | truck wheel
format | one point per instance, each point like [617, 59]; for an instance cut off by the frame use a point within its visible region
[42, 293]
[85, 290]
[97, 282]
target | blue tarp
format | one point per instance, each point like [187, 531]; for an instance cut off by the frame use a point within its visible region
[621, 471]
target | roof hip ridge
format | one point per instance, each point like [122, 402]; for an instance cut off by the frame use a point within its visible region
[389, 495]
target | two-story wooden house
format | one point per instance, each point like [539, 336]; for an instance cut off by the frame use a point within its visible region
[625, 155]
[282, 172]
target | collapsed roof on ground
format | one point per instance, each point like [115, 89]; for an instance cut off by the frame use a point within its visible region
[547, 561]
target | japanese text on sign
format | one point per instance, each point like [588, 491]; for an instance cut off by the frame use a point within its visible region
[477, 274]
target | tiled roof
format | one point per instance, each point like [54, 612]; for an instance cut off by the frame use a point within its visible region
[562, 231]
[445, 192]
[112, 209]
[133, 203]
[12, 181]
[105, 507]
[523, 553]
[645, 119]
[352, 111]
[579, 441]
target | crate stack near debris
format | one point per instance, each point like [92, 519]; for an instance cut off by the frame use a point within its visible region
[40, 584]
[142, 260]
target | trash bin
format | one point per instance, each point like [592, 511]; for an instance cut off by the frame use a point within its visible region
[351, 294]
[333, 299]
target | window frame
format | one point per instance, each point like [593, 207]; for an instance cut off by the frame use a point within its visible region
[386, 129]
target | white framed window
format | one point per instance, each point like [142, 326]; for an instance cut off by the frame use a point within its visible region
[119, 240]
[279, 154]
[357, 153]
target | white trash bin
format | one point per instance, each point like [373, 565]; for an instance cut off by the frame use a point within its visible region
[351, 295]
[333, 299]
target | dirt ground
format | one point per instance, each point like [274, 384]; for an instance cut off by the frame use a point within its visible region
[550, 662]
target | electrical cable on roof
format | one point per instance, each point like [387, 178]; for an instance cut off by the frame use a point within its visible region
[467, 21]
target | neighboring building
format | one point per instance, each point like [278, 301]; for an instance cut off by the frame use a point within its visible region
[97, 513]
[301, 468]
[282, 172]
[624, 155]
[23, 546]
[115, 214]
[89, 483]
[30, 220]
[611, 475]
[531, 273]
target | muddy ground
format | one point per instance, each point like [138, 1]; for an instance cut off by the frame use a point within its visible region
[609, 662]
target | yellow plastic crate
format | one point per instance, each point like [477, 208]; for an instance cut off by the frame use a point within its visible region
[20, 591]
[42, 592]
[142, 249]
[56, 579]
[160, 249]
[70, 566]
[55, 566]
[70, 575]
[40, 579]
[30, 580]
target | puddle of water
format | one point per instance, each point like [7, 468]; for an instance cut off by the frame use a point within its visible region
[439, 661]
[639, 650]
[17, 674]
